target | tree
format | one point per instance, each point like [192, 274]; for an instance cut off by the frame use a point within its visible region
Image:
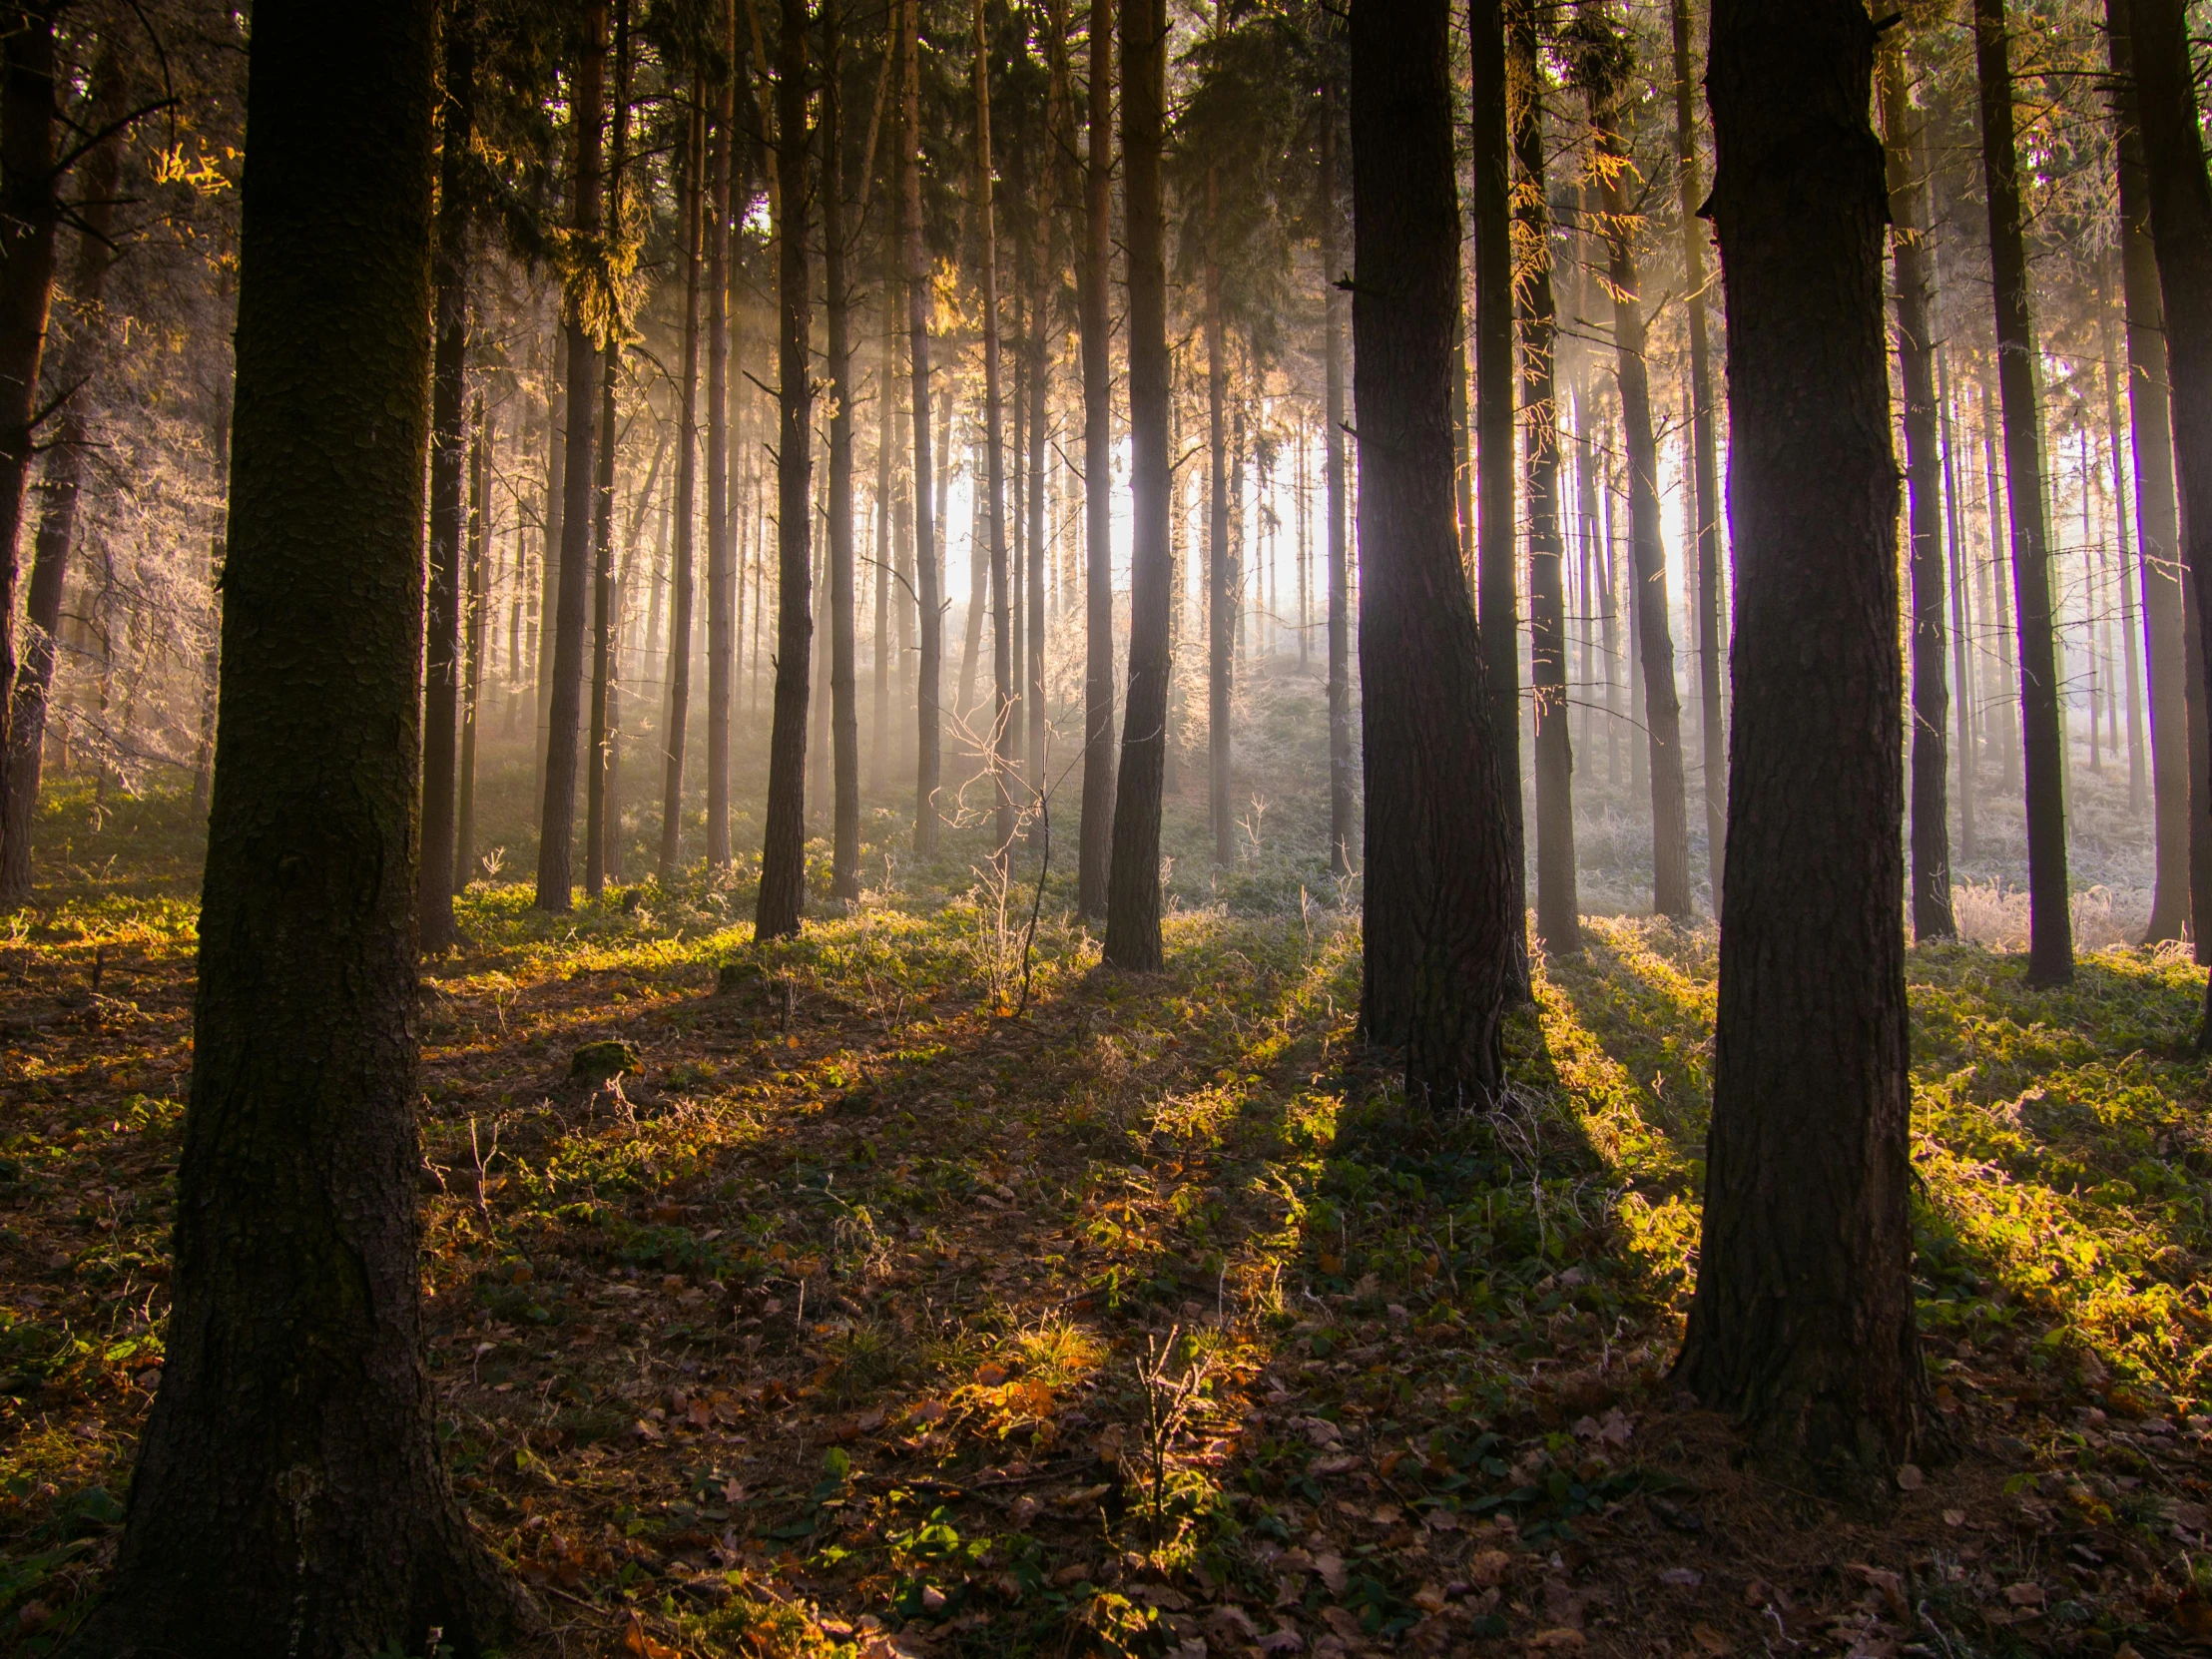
[1095, 320]
[1923, 467]
[928, 689]
[1343, 807]
[783, 846]
[844, 711]
[994, 464]
[472, 643]
[288, 1495]
[1801, 1322]
[1439, 930]
[1133, 889]
[602, 817]
[722, 634]
[2050, 921]
[1221, 604]
[1497, 589]
[687, 474]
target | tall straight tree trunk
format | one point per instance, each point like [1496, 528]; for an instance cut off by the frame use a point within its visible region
[722, 634]
[928, 689]
[1220, 614]
[288, 1495]
[1343, 804]
[687, 487]
[1670, 831]
[1133, 889]
[57, 529]
[599, 819]
[1924, 463]
[783, 844]
[1961, 610]
[549, 561]
[2157, 511]
[1802, 1324]
[1093, 856]
[564, 719]
[1439, 930]
[2180, 201]
[1706, 470]
[472, 639]
[2050, 923]
[1496, 585]
[1041, 266]
[1558, 923]
[994, 464]
[844, 711]
[880, 749]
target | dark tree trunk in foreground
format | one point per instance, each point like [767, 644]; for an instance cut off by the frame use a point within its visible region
[686, 488]
[1439, 927]
[2181, 231]
[57, 528]
[564, 719]
[845, 708]
[1497, 591]
[1343, 804]
[1923, 473]
[2043, 736]
[2157, 516]
[29, 213]
[783, 846]
[1803, 1323]
[929, 685]
[288, 1495]
[721, 632]
[1093, 856]
[1558, 922]
[1133, 889]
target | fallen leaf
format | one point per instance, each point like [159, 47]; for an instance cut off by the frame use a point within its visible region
[1429, 1599]
[1555, 1642]
[1709, 1640]
[1488, 1567]
[1230, 1624]
[1343, 1622]
[1910, 1477]
[2024, 1595]
[1330, 1569]
[1682, 1578]
[1954, 1517]
[991, 1375]
[1283, 1641]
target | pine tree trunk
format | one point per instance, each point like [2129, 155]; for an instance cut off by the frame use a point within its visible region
[472, 683]
[1041, 266]
[880, 752]
[1344, 806]
[1961, 610]
[994, 464]
[1802, 1324]
[2050, 923]
[721, 632]
[288, 1495]
[1093, 858]
[1439, 929]
[844, 711]
[687, 486]
[929, 691]
[783, 844]
[599, 819]
[1931, 757]
[1220, 607]
[1496, 581]
[1133, 890]
[564, 718]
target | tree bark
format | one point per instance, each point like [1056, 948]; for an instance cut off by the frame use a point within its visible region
[1497, 580]
[1344, 806]
[1094, 855]
[687, 486]
[722, 634]
[844, 711]
[600, 822]
[288, 1495]
[1439, 929]
[994, 468]
[783, 846]
[1803, 1323]
[1220, 604]
[2050, 923]
[1133, 890]
[928, 689]
[1931, 758]
[472, 682]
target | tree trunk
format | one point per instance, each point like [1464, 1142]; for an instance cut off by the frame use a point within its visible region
[687, 486]
[288, 1495]
[57, 530]
[1801, 1322]
[1931, 758]
[1133, 890]
[1220, 613]
[783, 846]
[1496, 581]
[2050, 923]
[722, 634]
[472, 683]
[844, 711]
[564, 719]
[1558, 923]
[1095, 302]
[928, 721]
[1343, 809]
[2180, 201]
[599, 819]
[994, 465]
[1439, 929]
[880, 752]
[1042, 267]
[549, 561]
[1961, 608]
[2157, 513]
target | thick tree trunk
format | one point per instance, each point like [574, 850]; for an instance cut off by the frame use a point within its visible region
[1133, 890]
[1803, 1323]
[1496, 581]
[783, 846]
[57, 529]
[1344, 806]
[1093, 856]
[288, 1495]
[472, 681]
[844, 711]
[2050, 923]
[722, 631]
[600, 822]
[929, 691]
[1439, 927]
[564, 719]
[687, 487]
[2180, 199]
[1221, 618]
[1931, 758]
[2157, 512]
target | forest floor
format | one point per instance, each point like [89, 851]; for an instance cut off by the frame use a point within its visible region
[895, 1302]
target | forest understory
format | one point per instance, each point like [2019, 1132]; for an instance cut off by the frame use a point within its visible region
[920, 1286]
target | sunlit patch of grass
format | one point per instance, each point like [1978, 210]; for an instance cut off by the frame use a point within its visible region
[1057, 1351]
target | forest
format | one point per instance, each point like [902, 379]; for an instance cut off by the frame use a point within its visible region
[1143, 828]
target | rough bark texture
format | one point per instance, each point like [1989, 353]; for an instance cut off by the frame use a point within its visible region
[1093, 855]
[288, 1495]
[929, 686]
[1497, 590]
[1344, 806]
[722, 631]
[1438, 924]
[845, 708]
[1133, 888]
[1803, 1323]
[600, 821]
[2050, 921]
[686, 488]
[1924, 466]
[783, 844]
